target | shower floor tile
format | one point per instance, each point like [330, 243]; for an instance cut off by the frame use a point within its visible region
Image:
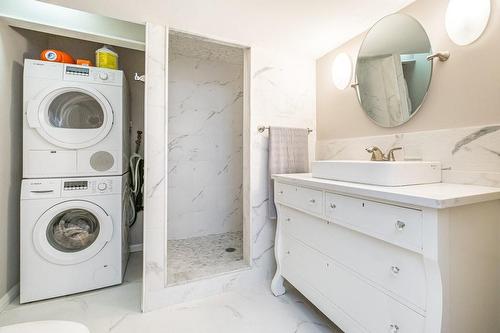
[198, 257]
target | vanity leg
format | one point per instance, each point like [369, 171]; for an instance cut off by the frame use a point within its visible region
[277, 286]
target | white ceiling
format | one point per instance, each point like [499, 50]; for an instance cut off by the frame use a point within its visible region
[306, 27]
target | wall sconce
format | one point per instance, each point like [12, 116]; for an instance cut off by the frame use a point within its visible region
[466, 20]
[342, 71]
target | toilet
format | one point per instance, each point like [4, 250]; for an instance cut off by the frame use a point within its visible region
[47, 326]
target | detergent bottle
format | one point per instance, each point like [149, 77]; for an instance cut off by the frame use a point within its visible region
[56, 56]
[107, 58]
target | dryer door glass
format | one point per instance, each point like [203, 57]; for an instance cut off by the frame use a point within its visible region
[75, 110]
[73, 230]
[72, 117]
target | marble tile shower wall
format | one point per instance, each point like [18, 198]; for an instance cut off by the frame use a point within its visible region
[282, 94]
[205, 143]
[469, 155]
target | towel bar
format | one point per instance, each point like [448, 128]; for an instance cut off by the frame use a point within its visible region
[261, 129]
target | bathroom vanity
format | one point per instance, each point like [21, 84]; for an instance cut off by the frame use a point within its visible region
[420, 258]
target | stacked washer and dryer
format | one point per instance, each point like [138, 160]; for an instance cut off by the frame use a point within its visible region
[74, 193]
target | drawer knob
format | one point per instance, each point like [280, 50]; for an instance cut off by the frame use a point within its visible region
[400, 225]
[333, 206]
[281, 192]
[288, 219]
[312, 201]
[394, 328]
[395, 270]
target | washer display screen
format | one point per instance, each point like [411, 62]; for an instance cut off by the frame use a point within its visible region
[76, 185]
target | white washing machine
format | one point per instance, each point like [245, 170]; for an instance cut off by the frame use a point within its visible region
[76, 121]
[73, 235]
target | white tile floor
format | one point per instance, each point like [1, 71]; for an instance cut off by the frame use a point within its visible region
[198, 257]
[117, 309]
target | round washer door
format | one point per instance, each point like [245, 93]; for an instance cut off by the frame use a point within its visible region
[72, 232]
[71, 117]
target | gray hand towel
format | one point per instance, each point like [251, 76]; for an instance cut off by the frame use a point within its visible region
[288, 153]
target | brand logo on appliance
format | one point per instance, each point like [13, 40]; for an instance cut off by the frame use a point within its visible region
[50, 55]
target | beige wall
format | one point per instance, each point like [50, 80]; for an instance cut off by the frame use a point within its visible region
[14, 47]
[465, 91]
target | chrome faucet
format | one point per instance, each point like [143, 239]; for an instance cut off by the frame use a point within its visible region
[378, 154]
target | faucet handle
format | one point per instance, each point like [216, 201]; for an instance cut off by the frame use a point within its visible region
[390, 153]
[372, 149]
[377, 153]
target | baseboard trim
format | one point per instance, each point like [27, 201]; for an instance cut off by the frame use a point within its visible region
[135, 248]
[9, 297]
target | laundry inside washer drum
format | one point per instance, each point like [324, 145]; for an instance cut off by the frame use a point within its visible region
[73, 230]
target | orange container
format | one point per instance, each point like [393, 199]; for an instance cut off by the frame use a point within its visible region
[83, 62]
[56, 56]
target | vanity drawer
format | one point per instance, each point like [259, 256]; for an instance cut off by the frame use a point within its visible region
[373, 310]
[388, 266]
[302, 198]
[394, 224]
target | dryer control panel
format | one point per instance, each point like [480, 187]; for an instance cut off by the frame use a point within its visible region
[71, 72]
[92, 74]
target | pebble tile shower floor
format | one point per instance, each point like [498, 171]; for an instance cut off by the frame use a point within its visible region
[198, 257]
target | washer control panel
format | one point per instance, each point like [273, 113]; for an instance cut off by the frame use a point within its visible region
[91, 186]
[104, 186]
[71, 187]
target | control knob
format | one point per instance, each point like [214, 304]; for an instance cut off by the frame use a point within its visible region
[103, 76]
[102, 186]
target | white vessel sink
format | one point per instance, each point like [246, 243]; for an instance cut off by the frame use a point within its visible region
[391, 173]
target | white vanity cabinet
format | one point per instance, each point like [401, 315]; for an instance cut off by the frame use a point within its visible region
[420, 258]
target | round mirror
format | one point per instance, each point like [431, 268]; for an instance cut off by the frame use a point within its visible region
[392, 70]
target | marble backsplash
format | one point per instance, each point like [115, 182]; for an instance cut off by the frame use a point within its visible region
[469, 155]
[205, 138]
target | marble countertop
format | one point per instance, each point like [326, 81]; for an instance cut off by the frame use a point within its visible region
[439, 195]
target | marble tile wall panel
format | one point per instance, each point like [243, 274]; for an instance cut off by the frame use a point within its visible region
[283, 94]
[205, 148]
[469, 155]
[155, 124]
